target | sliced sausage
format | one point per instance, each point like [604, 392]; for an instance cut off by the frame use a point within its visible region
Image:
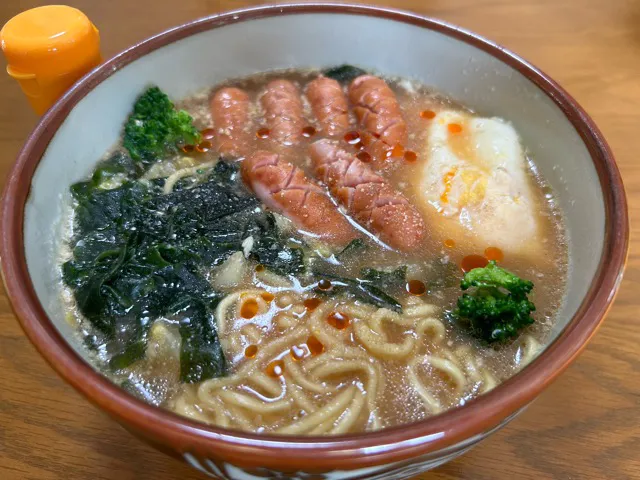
[230, 114]
[378, 112]
[286, 189]
[367, 197]
[283, 112]
[329, 105]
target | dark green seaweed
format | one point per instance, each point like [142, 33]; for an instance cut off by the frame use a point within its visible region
[344, 73]
[354, 247]
[138, 254]
[364, 290]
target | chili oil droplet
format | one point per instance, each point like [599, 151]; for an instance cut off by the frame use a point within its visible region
[249, 308]
[311, 303]
[275, 369]
[314, 345]
[473, 261]
[416, 287]
[308, 131]
[267, 296]
[410, 156]
[263, 133]
[494, 253]
[454, 128]
[364, 157]
[251, 351]
[204, 146]
[352, 137]
[208, 133]
[338, 320]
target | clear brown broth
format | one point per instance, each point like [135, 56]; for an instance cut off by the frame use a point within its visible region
[436, 265]
[552, 267]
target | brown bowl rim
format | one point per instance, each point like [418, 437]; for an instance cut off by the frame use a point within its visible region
[299, 452]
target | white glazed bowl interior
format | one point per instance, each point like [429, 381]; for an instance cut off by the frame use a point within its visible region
[452, 66]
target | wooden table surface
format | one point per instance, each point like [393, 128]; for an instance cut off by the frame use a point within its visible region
[585, 426]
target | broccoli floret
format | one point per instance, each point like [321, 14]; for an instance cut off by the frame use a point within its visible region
[498, 308]
[155, 127]
[494, 276]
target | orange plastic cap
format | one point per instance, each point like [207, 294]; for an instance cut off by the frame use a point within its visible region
[48, 49]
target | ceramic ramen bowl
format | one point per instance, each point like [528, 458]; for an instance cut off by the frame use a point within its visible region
[570, 152]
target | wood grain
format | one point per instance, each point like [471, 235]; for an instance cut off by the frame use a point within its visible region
[585, 426]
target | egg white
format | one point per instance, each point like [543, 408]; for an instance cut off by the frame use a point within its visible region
[474, 183]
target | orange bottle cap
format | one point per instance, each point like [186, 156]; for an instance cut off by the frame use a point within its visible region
[48, 49]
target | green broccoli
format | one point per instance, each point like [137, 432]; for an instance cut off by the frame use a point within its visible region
[498, 308]
[155, 127]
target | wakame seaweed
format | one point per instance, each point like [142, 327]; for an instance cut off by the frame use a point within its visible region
[344, 73]
[354, 247]
[139, 254]
[361, 289]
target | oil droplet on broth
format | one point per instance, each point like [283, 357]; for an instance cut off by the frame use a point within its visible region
[311, 303]
[324, 285]
[449, 243]
[416, 287]
[396, 151]
[208, 133]
[204, 146]
[267, 296]
[338, 320]
[352, 137]
[263, 133]
[494, 253]
[314, 345]
[364, 157]
[249, 308]
[275, 369]
[308, 131]
[251, 351]
[428, 114]
[473, 261]
[410, 156]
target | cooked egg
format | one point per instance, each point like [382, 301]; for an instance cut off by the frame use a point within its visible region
[475, 183]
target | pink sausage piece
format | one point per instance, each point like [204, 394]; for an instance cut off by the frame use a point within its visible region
[286, 189]
[329, 105]
[230, 114]
[283, 112]
[367, 197]
[379, 113]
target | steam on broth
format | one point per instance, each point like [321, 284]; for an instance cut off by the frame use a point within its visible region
[289, 256]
